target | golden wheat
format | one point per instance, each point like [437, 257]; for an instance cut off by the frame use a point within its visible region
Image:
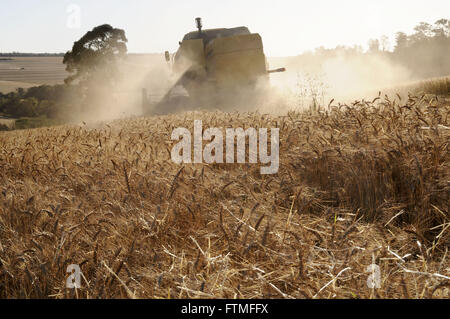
[358, 184]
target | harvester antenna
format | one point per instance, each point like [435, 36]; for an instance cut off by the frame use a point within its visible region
[199, 24]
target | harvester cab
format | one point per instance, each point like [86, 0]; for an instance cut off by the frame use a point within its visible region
[218, 62]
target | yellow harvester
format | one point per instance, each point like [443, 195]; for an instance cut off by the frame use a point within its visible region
[219, 63]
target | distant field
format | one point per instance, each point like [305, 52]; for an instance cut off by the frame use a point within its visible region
[9, 86]
[27, 72]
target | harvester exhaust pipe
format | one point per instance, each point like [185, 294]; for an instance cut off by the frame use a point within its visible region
[199, 24]
[277, 70]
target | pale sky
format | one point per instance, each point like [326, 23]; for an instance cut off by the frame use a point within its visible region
[288, 27]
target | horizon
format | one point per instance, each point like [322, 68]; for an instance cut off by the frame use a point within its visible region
[48, 27]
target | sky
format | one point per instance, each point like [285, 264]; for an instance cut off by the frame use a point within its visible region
[288, 27]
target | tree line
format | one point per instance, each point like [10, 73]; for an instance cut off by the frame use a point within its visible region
[50, 101]
[425, 52]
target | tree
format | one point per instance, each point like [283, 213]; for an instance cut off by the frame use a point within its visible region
[20, 92]
[401, 40]
[442, 28]
[423, 30]
[374, 45]
[96, 54]
[384, 41]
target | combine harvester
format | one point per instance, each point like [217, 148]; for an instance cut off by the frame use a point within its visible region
[217, 68]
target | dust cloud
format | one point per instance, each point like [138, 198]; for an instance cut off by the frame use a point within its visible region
[312, 80]
[124, 98]
[309, 81]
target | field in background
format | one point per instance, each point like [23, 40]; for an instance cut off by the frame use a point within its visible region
[26, 72]
[359, 184]
[11, 86]
[30, 71]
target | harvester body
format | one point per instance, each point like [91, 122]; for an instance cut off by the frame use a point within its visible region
[216, 63]
[220, 59]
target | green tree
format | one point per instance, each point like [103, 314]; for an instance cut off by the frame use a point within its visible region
[94, 56]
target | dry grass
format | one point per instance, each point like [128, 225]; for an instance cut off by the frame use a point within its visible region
[359, 184]
[433, 86]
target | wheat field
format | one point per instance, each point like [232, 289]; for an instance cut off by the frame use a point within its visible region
[25, 72]
[358, 185]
